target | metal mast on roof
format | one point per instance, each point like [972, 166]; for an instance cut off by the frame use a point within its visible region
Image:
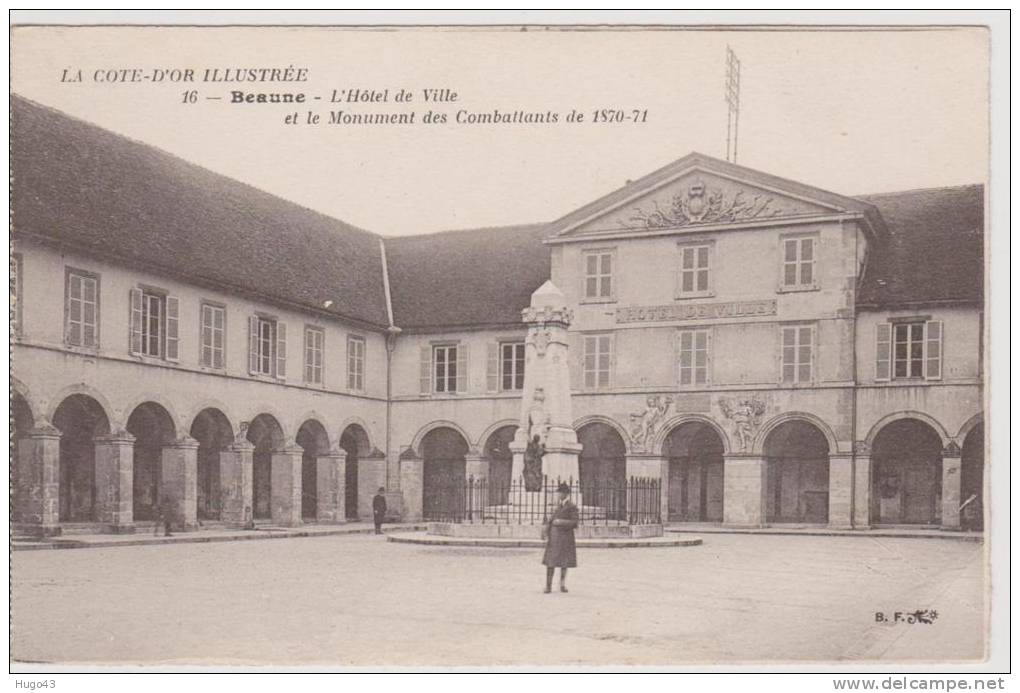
[733, 101]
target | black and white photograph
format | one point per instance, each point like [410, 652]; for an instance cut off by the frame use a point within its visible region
[551, 345]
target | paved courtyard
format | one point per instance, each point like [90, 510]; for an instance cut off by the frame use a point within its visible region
[358, 600]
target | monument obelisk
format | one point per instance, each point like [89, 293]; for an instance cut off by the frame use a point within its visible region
[545, 404]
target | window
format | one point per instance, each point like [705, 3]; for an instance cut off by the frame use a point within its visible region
[511, 366]
[445, 361]
[81, 309]
[799, 262]
[694, 270]
[213, 327]
[598, 275]
[597, 360]
[355, 363]
[694, 357]
[267, 346]
[798, 353]
[314, 339]
[154, 317]
[16, 292]
[909, 349]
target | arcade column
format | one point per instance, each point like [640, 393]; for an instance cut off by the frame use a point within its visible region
[862, 485]
[744, 487]
[412, 470]
[841, 484]
[179, 483]
[285, 499]
[115, 458]
[36, 501]
[951, 465]
[330, 484]
[236, 483]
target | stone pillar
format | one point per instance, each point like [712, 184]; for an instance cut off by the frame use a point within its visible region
[236, 483]
[841, 483]
[862, 486]
[744, 487]
[951, 500]
[115, 458]
[36, 496]
[371, 476]
[179, 483]
[412, 470]
[330, 486]
[476, 471]
[285, 499]
[643, 466]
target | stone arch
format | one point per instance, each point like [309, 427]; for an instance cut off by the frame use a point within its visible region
[969, 425]
[22, 416]
[88, 391]
[607, 420]
[759, 442]
[694, 449]
[796, 451]
[266, 433]
[313, 440]
[907, 464]
[212, 404]
[158, 399]
[153, 426]
[444, 471]
[896, 416]
[429, 427]
[495, 446]
[602, 467]
[80, 418]
[355, 426]
[354, 441]
[211, 427]
[272, 413]
[315, 416]
[679, 420]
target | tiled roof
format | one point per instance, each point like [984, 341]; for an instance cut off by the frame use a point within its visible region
[85, 187]
[466, 278]
[935, 252]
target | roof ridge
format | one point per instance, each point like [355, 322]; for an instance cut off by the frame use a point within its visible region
[917, 190]
[443, 232]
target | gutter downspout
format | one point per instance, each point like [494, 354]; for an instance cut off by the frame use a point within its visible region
[392, 331]
[858, 273]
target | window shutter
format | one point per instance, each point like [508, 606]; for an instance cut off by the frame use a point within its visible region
[253, 344]
[492, 367]
[462, 367]
[172, 349]
[136, 321]
[426, 370]
[883, 351]
[281, 350]
[933, 350]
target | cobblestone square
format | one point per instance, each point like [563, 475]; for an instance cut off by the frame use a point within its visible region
[361, 601]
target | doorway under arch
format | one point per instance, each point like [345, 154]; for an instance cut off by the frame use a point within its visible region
[972, 479]
[79, 418]
[212, 430]
[907, 475]
[153, 427]
[266, 434]
[314, 442]
[603, 468]
[696, 472]
[444, 473]
[501, 461]
[353, 441]
[797, 474]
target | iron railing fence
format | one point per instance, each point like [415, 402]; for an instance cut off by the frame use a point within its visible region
[634, 501]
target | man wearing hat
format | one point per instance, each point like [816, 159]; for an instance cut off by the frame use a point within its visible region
[560, 549]
[379, 509]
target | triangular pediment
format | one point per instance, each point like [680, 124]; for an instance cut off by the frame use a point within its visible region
[699, 191]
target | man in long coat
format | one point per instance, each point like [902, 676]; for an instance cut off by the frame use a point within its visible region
[379, 509]
[560, 549]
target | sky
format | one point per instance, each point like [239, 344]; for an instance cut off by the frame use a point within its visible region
[852, 112]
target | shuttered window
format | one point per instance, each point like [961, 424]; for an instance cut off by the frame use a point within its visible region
[355, 363]
[798, 268]
[597, 360]
[445, 362]
[267, 347]
[797, 354]
[694, 270]
[212, 347]
[598, 274]
[155, 320]
[314, 342]
[81, 326]
[694, 352]
[511, 366]
[914, 349]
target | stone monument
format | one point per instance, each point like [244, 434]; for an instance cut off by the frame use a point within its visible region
[546, 426]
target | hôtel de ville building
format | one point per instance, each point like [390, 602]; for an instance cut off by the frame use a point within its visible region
[774, 353]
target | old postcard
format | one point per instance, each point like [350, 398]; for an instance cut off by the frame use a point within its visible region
[532, 346]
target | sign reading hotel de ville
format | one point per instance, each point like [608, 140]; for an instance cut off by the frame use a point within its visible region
[538, 346]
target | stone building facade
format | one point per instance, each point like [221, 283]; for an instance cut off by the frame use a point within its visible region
[188, 347]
